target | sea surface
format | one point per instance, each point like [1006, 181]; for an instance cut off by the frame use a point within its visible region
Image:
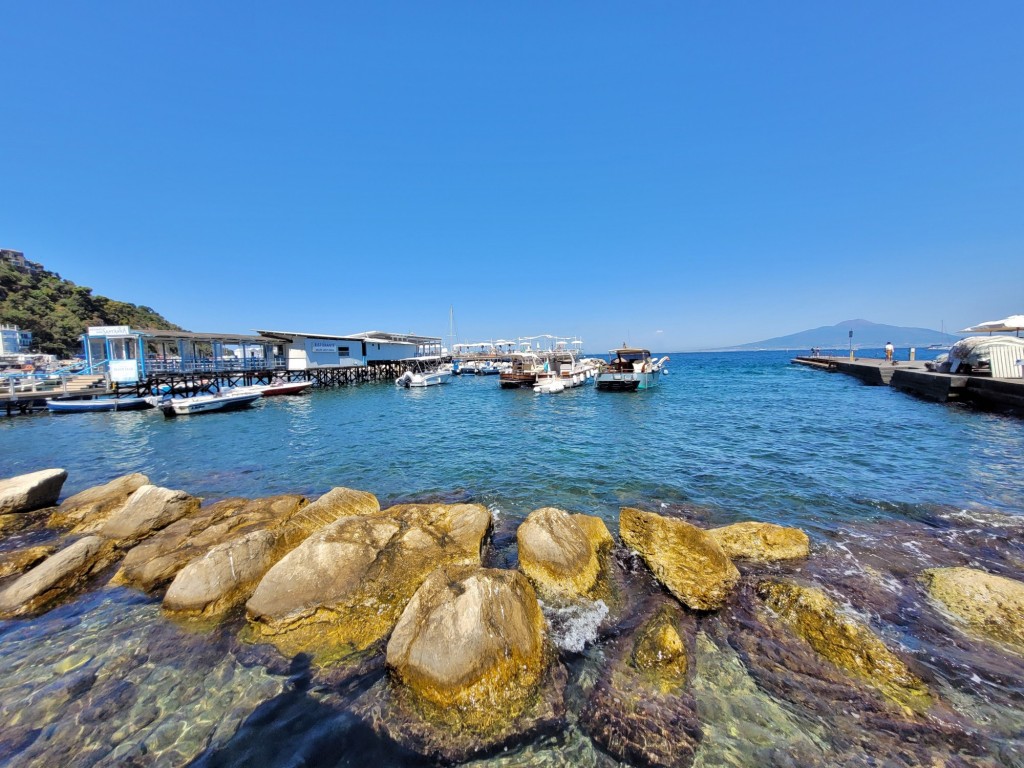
[882, 482]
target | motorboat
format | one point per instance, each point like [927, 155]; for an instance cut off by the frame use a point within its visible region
[93, 404]
[423, 372]
[279, 386]
[525, 368]
[229, 400]
[488, 368]
[630, 369]
[565, 372]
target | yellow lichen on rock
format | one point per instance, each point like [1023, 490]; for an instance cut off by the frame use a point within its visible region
[560, 553]
[468, 650]
[659, 650]
[343, 588]
[762, 542]
[681, 556]
[812, 615]
[992, 606]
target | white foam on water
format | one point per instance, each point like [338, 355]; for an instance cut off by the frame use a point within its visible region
[573, 627]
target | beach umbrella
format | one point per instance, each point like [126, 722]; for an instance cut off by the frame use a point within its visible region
[1013, 323]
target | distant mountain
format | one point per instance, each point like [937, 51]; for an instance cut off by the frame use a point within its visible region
[57, 311]
[865, 334]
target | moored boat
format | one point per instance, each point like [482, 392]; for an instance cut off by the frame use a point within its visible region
[96, 404]
[423, 372]
[281, 387]
[229, 400]
[630, 369]
[525, 368]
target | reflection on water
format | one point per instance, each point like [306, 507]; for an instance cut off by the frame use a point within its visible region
[886, 486]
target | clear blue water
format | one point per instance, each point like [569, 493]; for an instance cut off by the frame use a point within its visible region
[745, 435]
[884, 483]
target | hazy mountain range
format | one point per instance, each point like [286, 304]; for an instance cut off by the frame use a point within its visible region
[865, 334]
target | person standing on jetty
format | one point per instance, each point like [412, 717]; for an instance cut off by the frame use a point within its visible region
[889, 349]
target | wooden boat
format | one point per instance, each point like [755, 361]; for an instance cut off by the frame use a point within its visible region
[526, 367]
[630, 369]
[89, 405]
[221, 401]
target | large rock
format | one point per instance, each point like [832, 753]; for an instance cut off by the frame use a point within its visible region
[20, 560]
[86, 512]
[149, 509]
[56, 576]
[32, 491]
[850, 645]
[470, 669]
[641, 710]
[561, 553]
[226, 574]
[681, 556]
[990, 605]
[155, 561]
[343, 589]
[761, 542]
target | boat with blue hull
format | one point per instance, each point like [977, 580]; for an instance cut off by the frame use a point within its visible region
[97, 404]
[630, 369]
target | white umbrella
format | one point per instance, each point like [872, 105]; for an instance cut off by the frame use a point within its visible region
[1012, 323]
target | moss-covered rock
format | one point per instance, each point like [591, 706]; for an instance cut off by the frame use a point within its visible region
[681, 556]
[641, 710]
[845, 642]
[227, 573]
[20, 560]
[343, 589]
[561, 553]
[761, 542]
[57, 576]
[989, 605]
[155, 561]
[87, 512]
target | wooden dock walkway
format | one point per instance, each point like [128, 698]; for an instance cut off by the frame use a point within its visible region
[914, 378]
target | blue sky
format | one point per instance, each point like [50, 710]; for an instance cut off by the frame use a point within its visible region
[684, 175]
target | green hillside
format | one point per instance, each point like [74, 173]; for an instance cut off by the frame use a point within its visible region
[57, 311]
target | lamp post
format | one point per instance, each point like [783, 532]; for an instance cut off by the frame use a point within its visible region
[851, 345]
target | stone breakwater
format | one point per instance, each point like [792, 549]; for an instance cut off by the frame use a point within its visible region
[178, 621]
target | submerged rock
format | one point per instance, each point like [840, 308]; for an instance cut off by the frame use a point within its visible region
[154, 562]
[992, 606]
[226, 574]
[560, 553]
[56, 576]
[684, 558]
[343, 589]
[847, 643]
[31, 491]
[148, 509]
[20, 560]
[761, 542]
[641, 711]
[468, 666]
[86, 512]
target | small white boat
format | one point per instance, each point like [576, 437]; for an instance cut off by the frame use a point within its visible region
[565, 372]
[423, 372]
[630, 369]
[229, 400]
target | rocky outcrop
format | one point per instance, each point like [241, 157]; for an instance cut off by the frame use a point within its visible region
[848, 644]
[561, 553]
[20, 560]
[226, 574]
[761, 542]
[148, 509]
[468, 666]
[56, 576]
[32, 491]
[155, 562]
[641, 711]
[86, 512]
[681, 556]
[343, 589]
[989, 605]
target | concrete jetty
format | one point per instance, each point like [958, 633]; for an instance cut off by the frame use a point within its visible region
[913, 377]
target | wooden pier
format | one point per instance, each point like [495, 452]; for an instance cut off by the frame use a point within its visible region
[914, 378]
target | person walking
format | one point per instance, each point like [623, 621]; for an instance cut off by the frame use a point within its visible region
[889, 349]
